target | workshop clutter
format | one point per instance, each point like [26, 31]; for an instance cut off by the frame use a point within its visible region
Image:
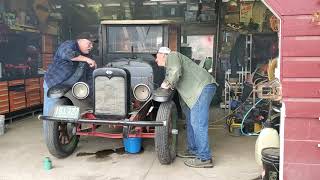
[248, 118]
[20, 55]
[19, 70]
[22, 18]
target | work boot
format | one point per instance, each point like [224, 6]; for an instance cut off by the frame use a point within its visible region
[186, 154]
[198, 163]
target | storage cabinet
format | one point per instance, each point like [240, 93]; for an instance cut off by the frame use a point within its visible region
[17, 100]
[32, 92]
[4, 99]
[20, 94]
[16, 82]
[17, 96]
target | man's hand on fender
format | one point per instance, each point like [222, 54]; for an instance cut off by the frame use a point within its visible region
[81, 58]
[165, 85]
[91, 63]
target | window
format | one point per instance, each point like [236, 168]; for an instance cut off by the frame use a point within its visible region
[140, 39]
[202, 46]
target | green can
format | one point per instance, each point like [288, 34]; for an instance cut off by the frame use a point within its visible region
[47, 164]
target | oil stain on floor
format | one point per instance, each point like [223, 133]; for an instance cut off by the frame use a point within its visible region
[104, 154]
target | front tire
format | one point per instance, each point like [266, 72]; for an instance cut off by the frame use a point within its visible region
[165, 140]
[59, 137]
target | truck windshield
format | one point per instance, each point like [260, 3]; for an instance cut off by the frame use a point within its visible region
[140, 39]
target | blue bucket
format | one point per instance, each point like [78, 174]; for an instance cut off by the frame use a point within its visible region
[132, 145]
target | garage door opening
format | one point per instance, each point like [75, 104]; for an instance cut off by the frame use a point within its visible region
[248, 72]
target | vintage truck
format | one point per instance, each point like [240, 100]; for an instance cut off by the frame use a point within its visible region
[125, 92]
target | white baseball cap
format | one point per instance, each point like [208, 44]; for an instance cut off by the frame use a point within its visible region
[164, 50]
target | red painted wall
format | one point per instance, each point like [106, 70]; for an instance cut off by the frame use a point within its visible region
[300, 77]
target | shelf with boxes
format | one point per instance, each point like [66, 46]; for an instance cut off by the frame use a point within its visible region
[21, 94]
[19, 15]
[35, 53]
[18, 27]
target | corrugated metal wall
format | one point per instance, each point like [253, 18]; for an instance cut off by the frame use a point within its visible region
[300, 75]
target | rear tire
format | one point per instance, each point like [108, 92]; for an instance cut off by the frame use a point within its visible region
[58, 136]
[165, 141]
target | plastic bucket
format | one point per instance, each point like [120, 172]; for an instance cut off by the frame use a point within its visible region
[132, 145]
[2, 124]
[270, 161]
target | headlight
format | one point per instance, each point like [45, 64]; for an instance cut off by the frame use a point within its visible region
[141, 92]
[80, 90]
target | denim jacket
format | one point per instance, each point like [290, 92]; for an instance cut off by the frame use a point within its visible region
[63, 67]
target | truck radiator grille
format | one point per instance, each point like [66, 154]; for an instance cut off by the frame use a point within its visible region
[110, 96]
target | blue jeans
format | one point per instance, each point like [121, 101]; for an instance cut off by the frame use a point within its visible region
[197, 123]
[48, 103]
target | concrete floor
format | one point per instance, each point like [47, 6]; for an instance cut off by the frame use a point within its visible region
[22, 150]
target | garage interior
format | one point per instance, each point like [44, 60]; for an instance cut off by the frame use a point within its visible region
[233, 39]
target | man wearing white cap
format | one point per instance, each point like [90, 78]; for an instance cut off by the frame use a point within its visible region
[196, 88]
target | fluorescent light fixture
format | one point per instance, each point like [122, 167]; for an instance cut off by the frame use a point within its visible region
[162, 0]
[149, 3]
[81, 5]
[169, 2]
[94, 5]
[183, 2]
[112, 4]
